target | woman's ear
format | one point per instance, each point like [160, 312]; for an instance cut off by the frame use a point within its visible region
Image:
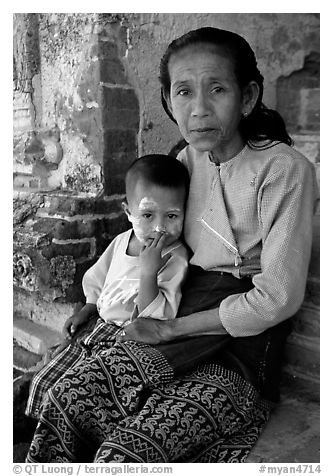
[250, 97]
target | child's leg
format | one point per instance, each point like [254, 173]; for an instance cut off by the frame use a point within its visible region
[49, 375]
[84, 406]
[89, 343]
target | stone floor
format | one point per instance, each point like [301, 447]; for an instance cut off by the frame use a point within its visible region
[292, 434]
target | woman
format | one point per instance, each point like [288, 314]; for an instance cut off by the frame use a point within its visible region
[249, 226]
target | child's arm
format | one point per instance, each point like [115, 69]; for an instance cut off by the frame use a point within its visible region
[151, 262]
[167, 293]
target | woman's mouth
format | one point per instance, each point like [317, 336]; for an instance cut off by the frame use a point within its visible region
[203, 129]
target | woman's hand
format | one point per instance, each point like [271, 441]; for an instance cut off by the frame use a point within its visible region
[147, 330]
[154, 331]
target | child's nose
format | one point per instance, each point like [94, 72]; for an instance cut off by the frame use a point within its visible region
[160, 229]
[160, 226]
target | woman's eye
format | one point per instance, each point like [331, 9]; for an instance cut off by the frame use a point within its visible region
[147, 215]
[183, 92]
[217, 90]
[172, 216]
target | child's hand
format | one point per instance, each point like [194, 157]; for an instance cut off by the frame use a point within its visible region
[73, 323]
[151, 260]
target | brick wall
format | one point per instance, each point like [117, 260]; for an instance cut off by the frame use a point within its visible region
[60, 238]
[76, 120]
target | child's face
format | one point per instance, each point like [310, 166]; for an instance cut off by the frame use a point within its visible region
[154, 209]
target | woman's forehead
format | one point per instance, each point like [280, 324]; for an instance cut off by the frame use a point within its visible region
[199, 58]
[195, 48]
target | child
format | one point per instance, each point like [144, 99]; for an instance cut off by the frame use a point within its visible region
[139, 274]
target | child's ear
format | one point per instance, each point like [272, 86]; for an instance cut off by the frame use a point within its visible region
[126, 209]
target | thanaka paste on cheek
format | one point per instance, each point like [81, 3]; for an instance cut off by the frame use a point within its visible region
[137, 228]
[144, 231]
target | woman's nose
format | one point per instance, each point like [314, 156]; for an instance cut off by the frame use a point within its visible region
[200, 105]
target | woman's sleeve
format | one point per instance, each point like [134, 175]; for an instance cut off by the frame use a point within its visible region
[285, 208]
[94, 278]
[165, 305]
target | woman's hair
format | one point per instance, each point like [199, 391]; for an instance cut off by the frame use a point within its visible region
[263, 123]
[157, 169]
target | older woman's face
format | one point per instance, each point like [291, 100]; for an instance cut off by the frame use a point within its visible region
[205, 99]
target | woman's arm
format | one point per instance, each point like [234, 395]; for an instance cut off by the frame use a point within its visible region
[286, 206]
[152, 331]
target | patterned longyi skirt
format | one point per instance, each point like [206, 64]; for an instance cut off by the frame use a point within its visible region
[124, 404]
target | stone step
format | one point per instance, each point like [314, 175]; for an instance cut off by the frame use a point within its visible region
[25, 360]
[35, 337]
[302, 356]
[47, 314]
[307, 321]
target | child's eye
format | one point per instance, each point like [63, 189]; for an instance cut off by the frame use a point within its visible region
[147, 215]
[172, 216]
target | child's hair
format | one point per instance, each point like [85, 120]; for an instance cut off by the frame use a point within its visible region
[157, 169]
[262, 123]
